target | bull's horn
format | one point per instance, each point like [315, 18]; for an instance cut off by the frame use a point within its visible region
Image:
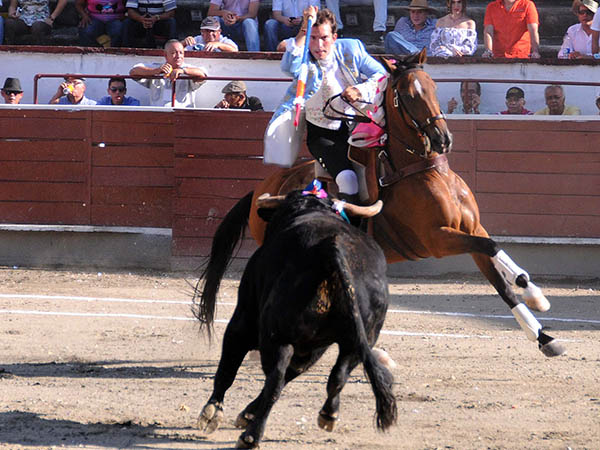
[363, 211]
[268, 201]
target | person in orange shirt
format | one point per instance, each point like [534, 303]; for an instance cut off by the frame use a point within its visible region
[510, 29]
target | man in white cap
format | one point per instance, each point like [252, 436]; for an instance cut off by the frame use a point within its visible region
[411, 34]
[210, 38]
[12, 91]
[236, 97]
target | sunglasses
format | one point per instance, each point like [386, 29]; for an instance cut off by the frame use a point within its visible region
[13, 92]
[118, 89]
[586, 12]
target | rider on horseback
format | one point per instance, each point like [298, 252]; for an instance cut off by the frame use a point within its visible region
[335, 66]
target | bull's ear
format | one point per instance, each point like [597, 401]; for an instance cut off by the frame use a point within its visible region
[267, 205]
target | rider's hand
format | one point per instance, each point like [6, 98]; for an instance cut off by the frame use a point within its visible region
[351, 94]
[311, 11]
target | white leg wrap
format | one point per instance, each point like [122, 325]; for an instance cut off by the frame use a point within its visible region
[529, 323]
[507, 267]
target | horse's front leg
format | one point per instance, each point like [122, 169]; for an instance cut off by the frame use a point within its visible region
[275, 360]
[533, 329]
[239, 338]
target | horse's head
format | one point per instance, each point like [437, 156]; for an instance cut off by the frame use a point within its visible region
[413, 111]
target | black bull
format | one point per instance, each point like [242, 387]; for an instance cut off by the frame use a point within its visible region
[314, 282]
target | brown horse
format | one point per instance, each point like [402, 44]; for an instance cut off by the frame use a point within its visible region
[428, 209]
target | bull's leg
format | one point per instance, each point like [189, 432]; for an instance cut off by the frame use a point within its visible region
[529, 324]
[237, 341]
[345, 364]
[298, 365]
[275, 368]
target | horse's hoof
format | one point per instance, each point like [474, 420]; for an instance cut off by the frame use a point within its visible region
[210, 418]
[246, 441]
[326, 422]
[243, 420]
[552, 348]
[534, 298]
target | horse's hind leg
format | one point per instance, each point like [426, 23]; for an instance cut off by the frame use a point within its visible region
[529, 324]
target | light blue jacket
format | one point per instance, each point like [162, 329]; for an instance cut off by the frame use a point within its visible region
[353, 60]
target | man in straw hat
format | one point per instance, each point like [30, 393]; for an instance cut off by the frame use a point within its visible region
[12, 91]
[510, 29]
[411, 33]
[577, 42]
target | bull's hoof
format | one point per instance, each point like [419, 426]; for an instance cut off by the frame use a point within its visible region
[534, 299]
[210, 418]
[552, 348]
[246, 441]
[326, 422]
[243, 420]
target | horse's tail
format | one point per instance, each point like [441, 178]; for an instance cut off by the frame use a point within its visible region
[226, 238]
[379, 376]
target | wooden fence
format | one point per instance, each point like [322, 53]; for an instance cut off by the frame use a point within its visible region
[185, 169]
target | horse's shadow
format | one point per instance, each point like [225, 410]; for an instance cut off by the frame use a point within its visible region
[30, 429]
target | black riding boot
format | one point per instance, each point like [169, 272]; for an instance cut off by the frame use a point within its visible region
[355, 200]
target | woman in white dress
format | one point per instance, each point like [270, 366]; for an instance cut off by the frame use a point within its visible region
[454, 34]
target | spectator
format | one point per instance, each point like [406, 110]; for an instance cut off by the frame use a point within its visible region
[555, 103]
[31, 17]
[596, 35]
[470, 94]
[510, 29]
[515, 102]
[1, 27]
[210, 38]
[71, 92]
[169, 71]
[12, 91]
[236, 98]
[380, 7]
[98, 17]
[238, 19]
[410, 35]
[578, 39]
[151, 19]
[286, 21]
[454, 34]
[598, 104]
[117, 88]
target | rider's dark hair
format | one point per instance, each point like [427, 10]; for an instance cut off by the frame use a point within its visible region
[463, 84]
[325, 16]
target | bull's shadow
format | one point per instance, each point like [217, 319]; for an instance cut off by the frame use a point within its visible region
[34, 430]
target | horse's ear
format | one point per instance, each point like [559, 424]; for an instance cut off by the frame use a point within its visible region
[389, 64]
[423, 56]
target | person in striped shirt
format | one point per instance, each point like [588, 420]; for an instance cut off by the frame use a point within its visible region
[150, 18]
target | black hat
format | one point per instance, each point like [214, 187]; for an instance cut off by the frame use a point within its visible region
[515, 92]
[12, 84]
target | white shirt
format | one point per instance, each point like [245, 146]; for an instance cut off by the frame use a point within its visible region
[596, 22]
[576, 40]
[293, 8]
[199, 45]
[160, 89]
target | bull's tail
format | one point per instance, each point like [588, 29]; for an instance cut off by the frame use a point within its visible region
[379, 376]
[229, 233]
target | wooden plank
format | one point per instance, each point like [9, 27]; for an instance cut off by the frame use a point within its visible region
[131, 216]
[43, 192]
[538, 140]
[556, 184]
[538, 162]
[222, 168]
[200, 247]
[542, 204]
[133, 156]
[43, 171]
[131, 132]
[203, 206]
[541, 225]
[132, 176]
[58, 127]
[569, 124]
[47, 150]
[114, 115]
[158, 197]
[50, 213]
[224, 124]
[187, 147]
[215, 188]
